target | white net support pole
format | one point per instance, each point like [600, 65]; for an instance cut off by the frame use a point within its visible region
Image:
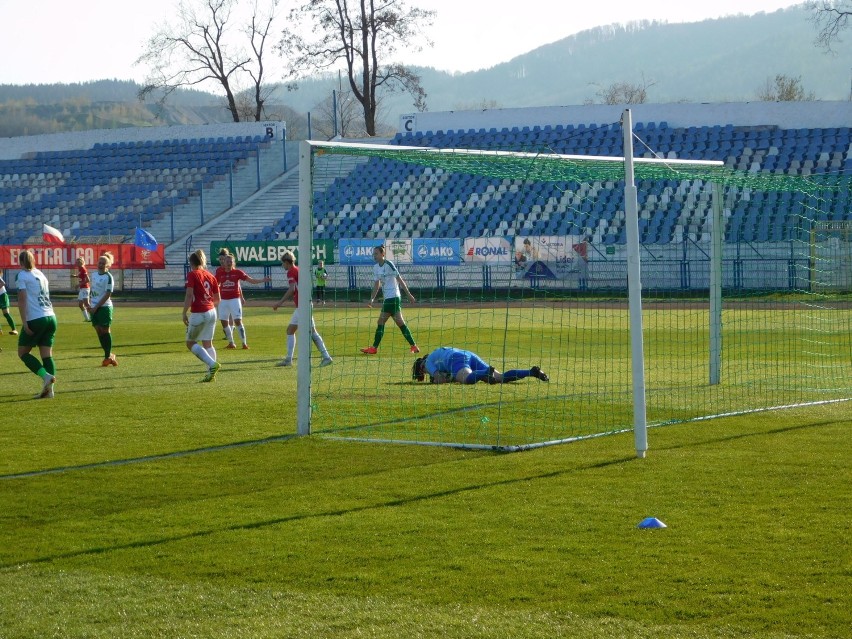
[303, 371]
[717, 230]
[634, 290]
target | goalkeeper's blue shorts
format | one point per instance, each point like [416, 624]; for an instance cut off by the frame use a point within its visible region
[465, 359]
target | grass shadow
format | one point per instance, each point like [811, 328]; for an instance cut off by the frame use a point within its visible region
[266, 523]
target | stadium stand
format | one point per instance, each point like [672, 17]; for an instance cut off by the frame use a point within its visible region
[110, 188]
[376, 200]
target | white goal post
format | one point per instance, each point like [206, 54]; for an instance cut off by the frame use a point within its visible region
[546, 165]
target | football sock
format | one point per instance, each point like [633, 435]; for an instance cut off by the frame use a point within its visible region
[511, 376]
[50, 365]
[106, 343]
[242, 331]
[291, 345]
[200, 353]
[31, 362]
[380, 333]
[407, 334]
[317, 339]
[229, 333]
[9, 320]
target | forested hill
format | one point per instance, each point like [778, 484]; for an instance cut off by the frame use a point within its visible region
[728, 59]
[95, 91]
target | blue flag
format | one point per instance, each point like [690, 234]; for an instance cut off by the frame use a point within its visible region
[145, 240]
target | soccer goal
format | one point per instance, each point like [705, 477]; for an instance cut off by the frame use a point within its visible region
[516, 256]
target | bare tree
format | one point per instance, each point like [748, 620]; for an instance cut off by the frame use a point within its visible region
[343, 111]
[362, 36]
[258, 31]
[830, 17]
[623, 93]
[784, 89]
[206, 45]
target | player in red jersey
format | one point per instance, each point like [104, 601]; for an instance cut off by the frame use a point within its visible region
[83, 287]
[288, 262]
[231, 306]
[226, 319]
[202, 296]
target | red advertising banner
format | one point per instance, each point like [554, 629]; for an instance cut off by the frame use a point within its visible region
[127, 256]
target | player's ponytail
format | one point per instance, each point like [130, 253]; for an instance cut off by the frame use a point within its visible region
[198, 259]
[418, 369]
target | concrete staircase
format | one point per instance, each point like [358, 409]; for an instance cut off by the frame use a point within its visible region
[246, 179]
[260, 208]
[263, 208]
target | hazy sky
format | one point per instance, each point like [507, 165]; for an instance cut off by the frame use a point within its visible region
[44, 41]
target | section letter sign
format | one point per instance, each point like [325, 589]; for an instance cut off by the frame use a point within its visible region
[492, 250]
[273, 130]
[430, 251]
[408, 123]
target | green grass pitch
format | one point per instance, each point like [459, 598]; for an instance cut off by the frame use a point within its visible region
[141, 502]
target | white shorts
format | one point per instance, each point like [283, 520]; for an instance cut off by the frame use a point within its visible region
[202, 326]
[294, 319]
[83, 295]
[231, 308]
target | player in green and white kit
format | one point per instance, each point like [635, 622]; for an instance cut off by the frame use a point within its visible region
[100, 306]
[391, 283]
[4, 307]
[38, 323]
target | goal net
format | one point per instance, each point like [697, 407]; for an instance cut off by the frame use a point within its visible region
[831, 256]
[520, 258]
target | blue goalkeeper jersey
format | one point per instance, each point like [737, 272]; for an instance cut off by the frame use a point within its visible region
[451, 360]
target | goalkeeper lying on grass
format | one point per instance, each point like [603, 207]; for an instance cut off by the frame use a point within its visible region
[455, 365]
